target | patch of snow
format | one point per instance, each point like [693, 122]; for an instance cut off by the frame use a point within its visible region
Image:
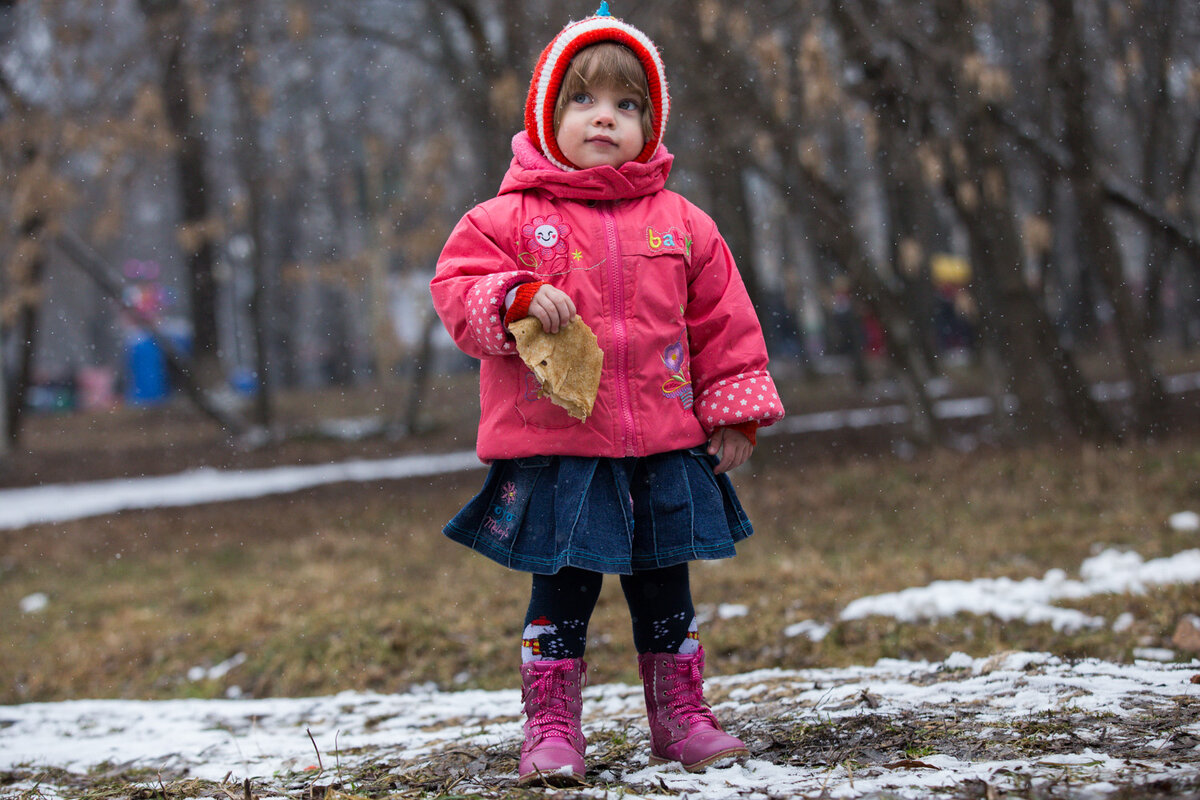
[1187, 521]
[1032, 599]
[31, 506]
[267, 740]
[731, 611]
[215, 673]
[815, 631]
[957, 660]
[353, 429]
[1123, 622]
[34, 603]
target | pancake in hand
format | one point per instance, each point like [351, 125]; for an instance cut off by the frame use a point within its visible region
[566, 363]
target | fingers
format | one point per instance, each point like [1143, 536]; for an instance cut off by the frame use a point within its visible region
[552, 307]
[735, 449]
[732, 457]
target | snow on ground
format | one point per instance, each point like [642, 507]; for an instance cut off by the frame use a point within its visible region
[269, 741]
[1032, 599]
[58, 503]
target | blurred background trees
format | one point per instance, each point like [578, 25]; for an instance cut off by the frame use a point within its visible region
[1010, 183]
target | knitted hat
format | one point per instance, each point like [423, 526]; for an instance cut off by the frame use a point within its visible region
[552, 66]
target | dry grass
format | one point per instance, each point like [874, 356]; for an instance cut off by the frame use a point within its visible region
[353, 587]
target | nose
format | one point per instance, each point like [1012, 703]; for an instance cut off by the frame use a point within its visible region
[604, 114]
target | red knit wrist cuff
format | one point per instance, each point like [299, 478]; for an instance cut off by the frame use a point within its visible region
[520, 307]
[748, 429]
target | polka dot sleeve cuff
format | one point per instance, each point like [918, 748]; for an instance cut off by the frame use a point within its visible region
[749, 397]
[485, 312]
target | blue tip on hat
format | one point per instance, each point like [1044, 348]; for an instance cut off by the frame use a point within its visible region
[603, 11]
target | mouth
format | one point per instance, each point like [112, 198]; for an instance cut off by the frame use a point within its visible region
[600, 140]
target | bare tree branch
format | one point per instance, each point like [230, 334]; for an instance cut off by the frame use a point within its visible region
[1117, 192]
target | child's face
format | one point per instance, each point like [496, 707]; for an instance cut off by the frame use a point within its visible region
[601, 126]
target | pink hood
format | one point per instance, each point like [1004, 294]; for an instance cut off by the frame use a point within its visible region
[648, 271]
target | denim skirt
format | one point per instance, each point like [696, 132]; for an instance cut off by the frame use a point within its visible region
[610, 515]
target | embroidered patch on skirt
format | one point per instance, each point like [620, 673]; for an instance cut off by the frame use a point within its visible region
[610, 515]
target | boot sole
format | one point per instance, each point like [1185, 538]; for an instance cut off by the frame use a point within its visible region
[700, 766]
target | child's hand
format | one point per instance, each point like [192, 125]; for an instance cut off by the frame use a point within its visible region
[733, 446]
[552, 307]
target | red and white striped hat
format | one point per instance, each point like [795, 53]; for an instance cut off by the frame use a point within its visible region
[552, 66]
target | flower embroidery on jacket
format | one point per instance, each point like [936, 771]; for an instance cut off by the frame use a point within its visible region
[679, 384]
[546, 238]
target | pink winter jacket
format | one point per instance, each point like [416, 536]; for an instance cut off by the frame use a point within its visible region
[647, 270]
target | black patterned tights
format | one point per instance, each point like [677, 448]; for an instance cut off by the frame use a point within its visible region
[560, 606]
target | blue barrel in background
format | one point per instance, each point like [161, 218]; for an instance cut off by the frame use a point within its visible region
[146, 382]
[147, 377]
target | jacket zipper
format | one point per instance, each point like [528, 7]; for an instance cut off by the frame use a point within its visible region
[620, 331]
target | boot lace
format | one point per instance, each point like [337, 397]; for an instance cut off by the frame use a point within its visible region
[686, 697]
[553, 716]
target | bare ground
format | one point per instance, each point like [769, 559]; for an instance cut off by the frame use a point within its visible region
[335, 588]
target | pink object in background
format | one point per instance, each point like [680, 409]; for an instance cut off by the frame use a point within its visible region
[96, 387]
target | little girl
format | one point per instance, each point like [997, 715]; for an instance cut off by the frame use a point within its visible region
[584, 226]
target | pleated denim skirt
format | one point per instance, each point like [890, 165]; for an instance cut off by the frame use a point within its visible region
[610, 515]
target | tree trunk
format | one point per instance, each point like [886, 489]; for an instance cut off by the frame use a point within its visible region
[29, 231]
[29, 226]
[1157, 152]
[422, 368]
[1098, 239]
[491, 85]
[731, 211]
[6, 22]
[250, 161]
[169, 27]
[1041, 373]
[5, 441]
[28, 326]
[910, 217]
[835, 230]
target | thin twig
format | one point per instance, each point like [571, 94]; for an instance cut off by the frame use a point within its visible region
[337, 755]
[320, 765]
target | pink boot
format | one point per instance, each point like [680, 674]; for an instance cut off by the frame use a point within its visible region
[682, 727]
[554, 743]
